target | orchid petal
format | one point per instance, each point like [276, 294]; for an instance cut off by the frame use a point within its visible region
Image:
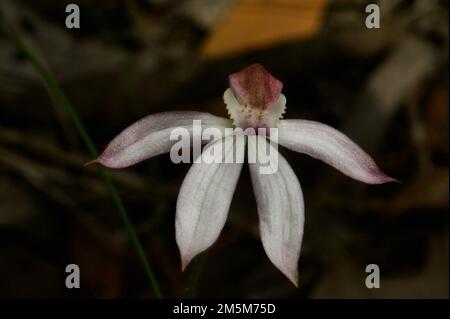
[150, 136]
[280, 205]
[205, 197]
[332, 147]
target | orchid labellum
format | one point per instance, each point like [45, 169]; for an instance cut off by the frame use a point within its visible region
[254, 100]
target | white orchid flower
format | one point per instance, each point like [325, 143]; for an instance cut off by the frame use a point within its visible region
[254, 100]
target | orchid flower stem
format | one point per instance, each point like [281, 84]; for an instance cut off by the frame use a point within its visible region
[194, 276]
[63, 101]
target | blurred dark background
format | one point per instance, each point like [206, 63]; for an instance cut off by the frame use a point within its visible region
[385, 88]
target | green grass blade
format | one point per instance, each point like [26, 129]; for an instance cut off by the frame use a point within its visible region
[63, 101]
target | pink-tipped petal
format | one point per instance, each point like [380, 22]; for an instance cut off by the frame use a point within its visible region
[205, 197]
[150, 136]
[254, 85]
[279, 199]
[332, 147]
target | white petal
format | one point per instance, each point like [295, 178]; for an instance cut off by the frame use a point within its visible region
[332, 147]
[205, 197]
[280, 205]
[150, 136]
